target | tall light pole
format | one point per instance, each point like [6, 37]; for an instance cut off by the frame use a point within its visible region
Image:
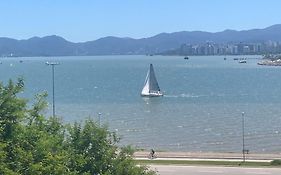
[53, 64]
[99, 118]
[243, 138]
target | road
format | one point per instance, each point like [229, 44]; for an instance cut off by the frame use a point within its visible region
[212, 170]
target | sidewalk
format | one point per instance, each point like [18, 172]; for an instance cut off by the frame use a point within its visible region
[208, 156]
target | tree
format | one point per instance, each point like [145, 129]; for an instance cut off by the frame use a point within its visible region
[31, 144]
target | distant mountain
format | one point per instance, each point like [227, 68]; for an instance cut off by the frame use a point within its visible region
[58, 46]
[46, 46]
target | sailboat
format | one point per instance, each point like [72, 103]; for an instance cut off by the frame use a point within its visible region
[151, 87]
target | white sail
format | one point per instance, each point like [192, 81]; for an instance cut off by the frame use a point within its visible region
[145, 90]
[151, 87]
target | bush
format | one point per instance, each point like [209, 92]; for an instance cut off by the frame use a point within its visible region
[276, 162]
[31, 144]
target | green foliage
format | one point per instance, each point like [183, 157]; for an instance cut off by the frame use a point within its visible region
[276, 162]
[31, 144]
[12, 109]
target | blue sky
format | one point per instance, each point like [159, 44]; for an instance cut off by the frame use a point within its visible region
[84, 20]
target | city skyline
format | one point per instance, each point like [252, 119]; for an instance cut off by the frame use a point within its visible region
[233, 48]
[91, 20]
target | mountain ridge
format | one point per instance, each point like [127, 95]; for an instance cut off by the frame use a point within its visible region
[54, 45]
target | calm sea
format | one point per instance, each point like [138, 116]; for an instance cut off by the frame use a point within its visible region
[201, 110]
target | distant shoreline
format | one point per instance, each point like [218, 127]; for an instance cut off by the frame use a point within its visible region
[270, 63]
[52, 56]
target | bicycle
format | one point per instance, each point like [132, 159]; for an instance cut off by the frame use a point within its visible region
[152, 155]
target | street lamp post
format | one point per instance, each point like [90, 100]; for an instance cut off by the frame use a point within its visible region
[53, 64]
[243, 137]
[99, 118]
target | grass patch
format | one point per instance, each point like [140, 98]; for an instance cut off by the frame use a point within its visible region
[202, 162]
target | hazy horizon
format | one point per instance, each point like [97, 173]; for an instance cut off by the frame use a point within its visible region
[131, 37]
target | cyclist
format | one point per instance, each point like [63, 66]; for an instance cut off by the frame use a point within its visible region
[152, 153]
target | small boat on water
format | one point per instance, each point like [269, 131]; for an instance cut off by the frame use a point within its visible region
[186, 58]
[151, 87]
[242, 61]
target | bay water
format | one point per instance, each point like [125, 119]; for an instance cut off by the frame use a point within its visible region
[200, 111]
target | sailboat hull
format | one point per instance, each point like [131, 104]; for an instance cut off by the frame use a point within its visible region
[152, 94]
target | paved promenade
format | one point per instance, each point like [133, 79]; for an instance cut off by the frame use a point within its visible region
[208, 156]
[212, 170]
